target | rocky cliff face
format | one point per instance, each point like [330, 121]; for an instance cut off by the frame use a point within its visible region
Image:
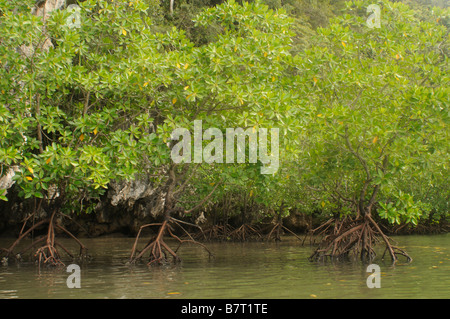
[124, 208]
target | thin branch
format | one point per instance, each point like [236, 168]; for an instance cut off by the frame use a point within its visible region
[203, 200]
[86, 103]
[357, 155]
[186, 181]
[377, 187]
[39, 128]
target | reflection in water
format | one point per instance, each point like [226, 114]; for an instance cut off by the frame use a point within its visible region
[238, 270]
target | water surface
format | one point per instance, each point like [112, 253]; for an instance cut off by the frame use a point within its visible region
[238, 270]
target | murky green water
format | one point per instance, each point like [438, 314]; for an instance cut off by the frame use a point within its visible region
[238, 270]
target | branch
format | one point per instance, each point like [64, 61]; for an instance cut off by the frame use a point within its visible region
[39, 128]
[86, 103]
[186, 181]
[363, 162]
[377, 187]
[350, 200]
[358, 156]
[203, 200]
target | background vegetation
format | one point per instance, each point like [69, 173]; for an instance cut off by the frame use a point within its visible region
[363, 113]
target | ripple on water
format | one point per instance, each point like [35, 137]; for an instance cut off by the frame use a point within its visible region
[250, 270]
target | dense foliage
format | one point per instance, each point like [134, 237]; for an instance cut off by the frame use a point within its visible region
[362, 112]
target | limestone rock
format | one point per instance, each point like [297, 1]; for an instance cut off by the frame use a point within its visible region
[6, 181]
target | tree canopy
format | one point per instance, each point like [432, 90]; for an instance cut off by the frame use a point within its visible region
[92, 95]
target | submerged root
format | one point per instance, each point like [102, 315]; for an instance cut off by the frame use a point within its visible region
[160, 252]
[354, 237]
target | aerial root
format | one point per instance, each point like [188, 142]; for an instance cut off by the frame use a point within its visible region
[357, 237]
[47, 254]
[216, 232]
[318, 232]
[160, 252]
[245, 232]
[276, 230]
[393, 250]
